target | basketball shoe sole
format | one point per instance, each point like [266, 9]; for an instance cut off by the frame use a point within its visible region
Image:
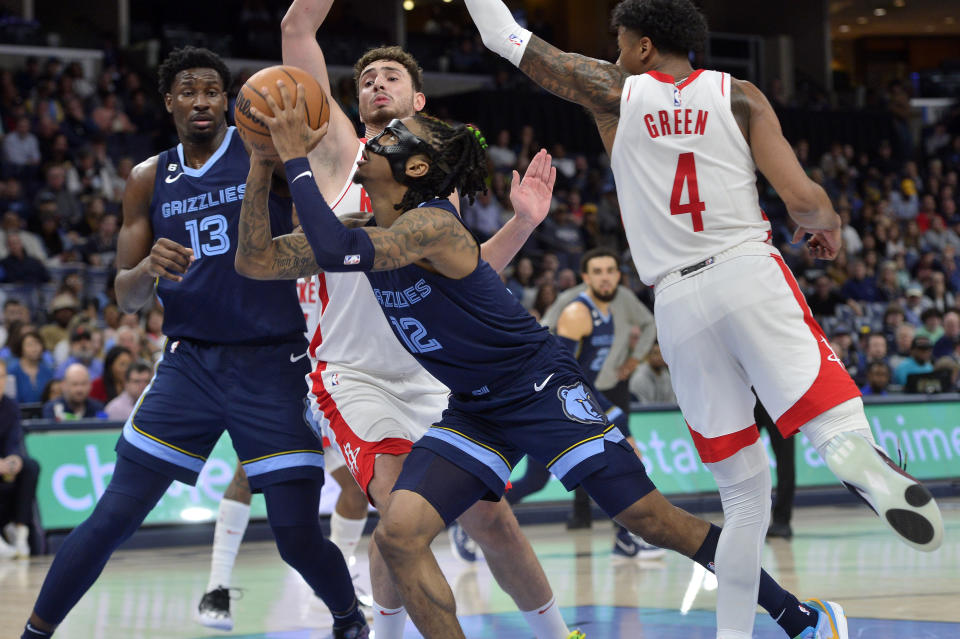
[895, 496]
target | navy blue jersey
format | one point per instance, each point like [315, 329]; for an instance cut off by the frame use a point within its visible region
[468, 333]
[593, 349]
[200, 208]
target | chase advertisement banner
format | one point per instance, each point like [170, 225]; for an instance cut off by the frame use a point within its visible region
[76, 465]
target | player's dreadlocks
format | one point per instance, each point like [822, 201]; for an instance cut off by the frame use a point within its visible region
[461, 148]
[191, 58]
[674, 26]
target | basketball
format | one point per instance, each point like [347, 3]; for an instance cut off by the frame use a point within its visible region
[253, 131]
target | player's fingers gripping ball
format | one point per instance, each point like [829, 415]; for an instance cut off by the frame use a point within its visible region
[251, 99]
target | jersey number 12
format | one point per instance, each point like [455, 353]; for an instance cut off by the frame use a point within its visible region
[687, 172]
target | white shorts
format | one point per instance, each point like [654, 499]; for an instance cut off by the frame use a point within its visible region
[740, 322]
[370, 415]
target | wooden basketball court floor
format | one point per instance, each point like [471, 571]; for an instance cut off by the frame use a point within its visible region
[838, 553]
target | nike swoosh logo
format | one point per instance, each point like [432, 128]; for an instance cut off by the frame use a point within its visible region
[540, 612]
[539, 387]
[173, 178]
[298, 357]
[625, 547]
[390, 614]
[300, 176]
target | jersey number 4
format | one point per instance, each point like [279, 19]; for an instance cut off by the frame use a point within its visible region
[687, 172]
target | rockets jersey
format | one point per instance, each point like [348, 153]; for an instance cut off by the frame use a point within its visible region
[685, 176]
[469, 333]
[593, 349]
[200, 208]
[344, 323]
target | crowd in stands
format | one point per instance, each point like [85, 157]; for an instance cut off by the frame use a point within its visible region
[888, 303]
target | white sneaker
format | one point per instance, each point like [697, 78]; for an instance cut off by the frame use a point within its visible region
[899, 499]
[6, 550]
[19, 537]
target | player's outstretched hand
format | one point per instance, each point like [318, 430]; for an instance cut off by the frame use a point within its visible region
[825, 243]
[292, 136]
[531, 196]
[169, 260]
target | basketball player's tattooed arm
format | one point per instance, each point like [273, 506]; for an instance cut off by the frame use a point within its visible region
[259, 255]
[595, 84]
[433, 235]
[806, 201]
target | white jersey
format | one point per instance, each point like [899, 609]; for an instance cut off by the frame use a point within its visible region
[685, 176]
[345, 325]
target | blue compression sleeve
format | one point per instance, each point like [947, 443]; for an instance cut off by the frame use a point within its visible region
[335, 247]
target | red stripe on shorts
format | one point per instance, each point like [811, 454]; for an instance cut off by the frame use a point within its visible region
[714, 449]
[833, 384]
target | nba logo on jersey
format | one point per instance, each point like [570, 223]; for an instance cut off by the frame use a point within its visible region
[335, 379]
[676, 96]
[349, 260]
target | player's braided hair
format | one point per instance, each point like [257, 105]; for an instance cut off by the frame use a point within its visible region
[462, 148]
[674, 26]
[191, 58]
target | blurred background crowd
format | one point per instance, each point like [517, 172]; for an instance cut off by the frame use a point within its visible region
[70, 136]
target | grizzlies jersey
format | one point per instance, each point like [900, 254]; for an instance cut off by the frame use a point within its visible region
[200, 208]
[593, 348]
[468, 333]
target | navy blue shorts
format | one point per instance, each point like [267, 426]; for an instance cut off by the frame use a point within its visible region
[255, 393]
[548, 411]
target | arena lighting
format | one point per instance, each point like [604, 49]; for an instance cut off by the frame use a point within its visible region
[196, 513]
[844, 28]
[899, 3]
[408, 5]
[879, 12]
[862, 20]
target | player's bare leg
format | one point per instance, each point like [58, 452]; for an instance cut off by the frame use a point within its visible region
[407, 527]
[213, 610]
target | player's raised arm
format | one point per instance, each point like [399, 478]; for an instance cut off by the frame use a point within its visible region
[531, 203]
[299, 45]
[806, 201]
[140, 260]
[300, 49]
[595, 84]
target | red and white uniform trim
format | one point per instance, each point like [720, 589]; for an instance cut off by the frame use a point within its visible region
[369, 395]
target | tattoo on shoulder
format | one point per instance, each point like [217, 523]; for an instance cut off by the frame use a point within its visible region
[596, 84]
[740, 105]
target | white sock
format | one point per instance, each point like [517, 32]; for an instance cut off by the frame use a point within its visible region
[346, 533]
[545, 621]
[388, 623]
[231, 524]
[842, 418]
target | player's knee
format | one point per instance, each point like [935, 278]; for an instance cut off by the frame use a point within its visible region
[296, 544]
[491, 523]
[399, 538]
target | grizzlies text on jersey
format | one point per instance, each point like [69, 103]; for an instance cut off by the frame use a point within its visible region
[199, 208]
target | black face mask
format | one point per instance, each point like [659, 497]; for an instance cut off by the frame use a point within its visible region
[407, 145]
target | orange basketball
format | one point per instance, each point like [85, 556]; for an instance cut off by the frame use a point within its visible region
[253, 131]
